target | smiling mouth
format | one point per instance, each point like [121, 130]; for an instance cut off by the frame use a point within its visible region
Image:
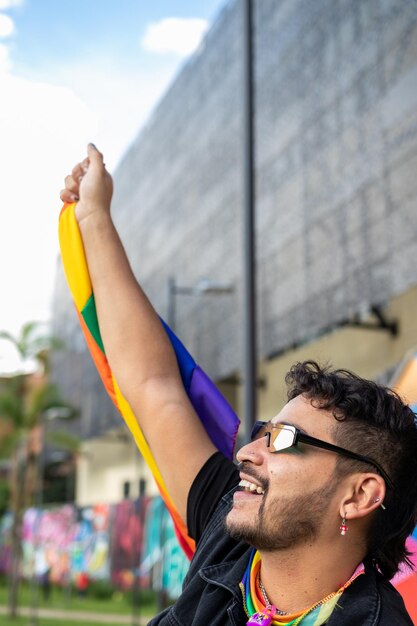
[246, 485]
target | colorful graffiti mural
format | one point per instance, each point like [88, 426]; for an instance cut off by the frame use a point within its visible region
[163, 562]
[127, 541]
[5, 529]
[120, 543]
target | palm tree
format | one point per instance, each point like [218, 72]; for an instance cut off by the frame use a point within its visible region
[26, 402]
[33, 344]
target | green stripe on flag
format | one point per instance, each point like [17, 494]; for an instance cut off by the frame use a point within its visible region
[89, 314]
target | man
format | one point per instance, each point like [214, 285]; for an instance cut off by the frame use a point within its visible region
[327, 490]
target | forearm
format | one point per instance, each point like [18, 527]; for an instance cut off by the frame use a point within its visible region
[135, 341]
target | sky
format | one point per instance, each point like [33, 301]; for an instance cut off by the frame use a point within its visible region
[73, 72]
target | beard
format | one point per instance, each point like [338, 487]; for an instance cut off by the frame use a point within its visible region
[283, 522]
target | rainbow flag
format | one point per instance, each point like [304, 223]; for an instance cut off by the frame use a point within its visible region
[405, 581]
[219, 419]
[404, 382]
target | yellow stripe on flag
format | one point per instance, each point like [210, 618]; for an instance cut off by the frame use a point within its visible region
[132, 424]
[73, 257]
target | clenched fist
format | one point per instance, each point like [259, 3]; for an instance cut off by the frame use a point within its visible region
[89, 185]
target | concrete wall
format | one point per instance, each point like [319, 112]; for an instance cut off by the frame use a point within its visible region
[336, 146]
[337, 122]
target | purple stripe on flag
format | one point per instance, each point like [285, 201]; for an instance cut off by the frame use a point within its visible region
[219, 419]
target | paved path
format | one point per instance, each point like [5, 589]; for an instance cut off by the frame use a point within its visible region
[80, 616]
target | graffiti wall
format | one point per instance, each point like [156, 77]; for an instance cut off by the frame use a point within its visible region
[163, 562]
[133, 541]
[5, 528]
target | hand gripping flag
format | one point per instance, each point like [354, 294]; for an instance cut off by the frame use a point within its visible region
[218, 418]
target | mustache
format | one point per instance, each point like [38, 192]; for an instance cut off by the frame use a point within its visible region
[247, 468]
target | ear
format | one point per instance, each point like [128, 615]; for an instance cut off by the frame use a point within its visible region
[367, 493]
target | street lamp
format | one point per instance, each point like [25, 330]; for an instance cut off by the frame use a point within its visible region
[203, 287]
[249, 256]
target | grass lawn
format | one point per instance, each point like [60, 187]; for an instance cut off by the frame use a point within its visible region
[117, 603]
[24, 621]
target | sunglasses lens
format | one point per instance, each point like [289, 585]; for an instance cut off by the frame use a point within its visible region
[259, 430]
[281, 438]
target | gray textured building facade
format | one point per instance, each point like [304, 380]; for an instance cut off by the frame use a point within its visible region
[336, 183]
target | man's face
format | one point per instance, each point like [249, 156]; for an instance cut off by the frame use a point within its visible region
[297, 484]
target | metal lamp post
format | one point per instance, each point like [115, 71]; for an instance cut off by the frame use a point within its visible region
[249, 256]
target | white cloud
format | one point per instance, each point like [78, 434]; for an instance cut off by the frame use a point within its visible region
[174, 35]
[6, 25]
[4, 59]
[121, 99]
[9, 4]
[42, 129]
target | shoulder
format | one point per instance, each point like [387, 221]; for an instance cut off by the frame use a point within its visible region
[370, 601]
[393, 610]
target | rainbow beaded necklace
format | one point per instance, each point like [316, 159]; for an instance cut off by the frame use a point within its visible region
[260, 613]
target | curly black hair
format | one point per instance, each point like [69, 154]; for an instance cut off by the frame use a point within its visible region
[371, 420]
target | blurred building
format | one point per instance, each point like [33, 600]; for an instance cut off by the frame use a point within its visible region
[336, 195]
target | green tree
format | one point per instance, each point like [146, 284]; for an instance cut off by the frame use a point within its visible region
[4, 496]
[33, 343]
[27, 401]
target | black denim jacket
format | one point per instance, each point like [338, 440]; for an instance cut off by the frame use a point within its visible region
[212, 597]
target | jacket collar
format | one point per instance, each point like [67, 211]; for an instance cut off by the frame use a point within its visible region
[359, 604]
[227, 575]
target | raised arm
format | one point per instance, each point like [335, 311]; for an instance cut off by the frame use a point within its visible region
[137, 347]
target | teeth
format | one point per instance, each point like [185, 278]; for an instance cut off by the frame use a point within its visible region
[248, 486]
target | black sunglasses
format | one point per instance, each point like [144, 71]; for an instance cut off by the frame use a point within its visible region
[283, 436]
